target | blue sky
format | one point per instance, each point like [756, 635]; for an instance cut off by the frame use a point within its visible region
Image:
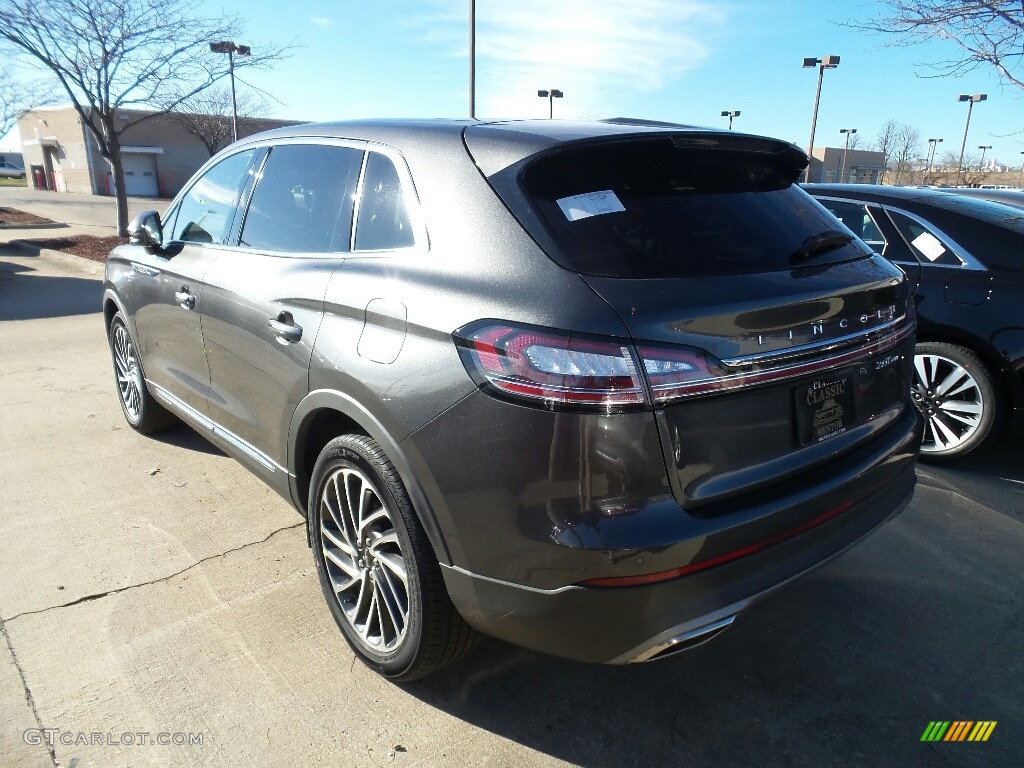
[677, 60]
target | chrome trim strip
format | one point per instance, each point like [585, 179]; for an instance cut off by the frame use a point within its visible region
[209, 424]
[708, 631]
[826, 345]
[664, 394]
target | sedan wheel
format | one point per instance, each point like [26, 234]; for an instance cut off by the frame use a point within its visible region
[954, 392]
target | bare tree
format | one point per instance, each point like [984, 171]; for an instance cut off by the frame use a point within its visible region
[16, 98]
[207, 116]
[886, 144]
[111, 54]
[856, 139]
[906, 150]
[988, 32]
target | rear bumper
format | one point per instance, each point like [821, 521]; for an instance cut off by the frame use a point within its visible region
[625, 624]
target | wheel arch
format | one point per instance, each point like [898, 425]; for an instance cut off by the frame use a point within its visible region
[325, 414]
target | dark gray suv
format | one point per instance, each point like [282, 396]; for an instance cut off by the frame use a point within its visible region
[588, 387]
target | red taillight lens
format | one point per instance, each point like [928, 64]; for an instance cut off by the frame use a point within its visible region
[559, 370]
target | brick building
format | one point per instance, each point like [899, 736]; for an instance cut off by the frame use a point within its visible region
[862, 166]
[159, 155]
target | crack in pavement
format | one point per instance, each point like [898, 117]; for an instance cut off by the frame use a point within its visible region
[29, 698]
[100, 595]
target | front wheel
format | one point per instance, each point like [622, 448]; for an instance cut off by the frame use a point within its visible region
[376, 566]
[141, 411]
[955, 392]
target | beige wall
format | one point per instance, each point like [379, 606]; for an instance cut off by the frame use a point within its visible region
[56, 140]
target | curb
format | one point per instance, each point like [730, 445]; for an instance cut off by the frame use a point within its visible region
[79, 263]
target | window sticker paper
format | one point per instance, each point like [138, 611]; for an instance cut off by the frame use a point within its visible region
[590, 204]
[927, 244]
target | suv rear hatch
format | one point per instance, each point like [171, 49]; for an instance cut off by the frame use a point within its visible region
[773, 340]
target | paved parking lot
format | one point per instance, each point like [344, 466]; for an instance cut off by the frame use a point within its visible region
[151, 586]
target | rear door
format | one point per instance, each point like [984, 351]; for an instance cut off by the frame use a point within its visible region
[263, 300]
[167, 288]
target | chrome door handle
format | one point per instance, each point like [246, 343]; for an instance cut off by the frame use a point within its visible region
[285, 328]
[185, 299]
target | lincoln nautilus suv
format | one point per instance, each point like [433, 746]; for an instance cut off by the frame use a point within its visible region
[591, 388]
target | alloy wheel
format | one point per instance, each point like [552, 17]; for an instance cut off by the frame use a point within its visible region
[950, 399]
[364, 560]
[129, 379]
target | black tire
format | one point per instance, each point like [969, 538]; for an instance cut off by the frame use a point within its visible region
[956, 393]
[353, 476]
[143, 414]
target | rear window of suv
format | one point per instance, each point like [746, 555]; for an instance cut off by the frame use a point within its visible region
[663, 208]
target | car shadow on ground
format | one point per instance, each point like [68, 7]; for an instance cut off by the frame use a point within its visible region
[183, 436]
[845, 667]
[25, 295]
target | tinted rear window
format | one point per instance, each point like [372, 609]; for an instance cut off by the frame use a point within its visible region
[654, 209]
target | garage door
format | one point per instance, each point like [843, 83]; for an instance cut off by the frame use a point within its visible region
[140, 174]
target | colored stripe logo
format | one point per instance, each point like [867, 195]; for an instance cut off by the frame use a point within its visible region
[959, 730]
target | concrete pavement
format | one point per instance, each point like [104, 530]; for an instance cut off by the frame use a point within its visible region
[152, 586]
[75, 214]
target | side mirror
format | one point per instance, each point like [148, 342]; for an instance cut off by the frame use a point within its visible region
[146, 230]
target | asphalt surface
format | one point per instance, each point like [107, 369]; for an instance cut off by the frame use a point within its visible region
[152, 586]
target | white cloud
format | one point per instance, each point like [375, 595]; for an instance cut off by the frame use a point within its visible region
[589, 49]
[320, 21]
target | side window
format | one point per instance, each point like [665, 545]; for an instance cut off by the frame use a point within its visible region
[857, 219]
[303, 199]
[383, 222]
[205, 211]
[926, 245]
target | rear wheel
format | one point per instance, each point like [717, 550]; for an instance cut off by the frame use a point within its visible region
[376, 567]
[142, 412]
[956, 394]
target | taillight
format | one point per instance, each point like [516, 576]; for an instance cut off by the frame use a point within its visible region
[561, 370]
[553, 368]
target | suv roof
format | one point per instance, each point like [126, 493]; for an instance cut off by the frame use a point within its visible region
[517, 139]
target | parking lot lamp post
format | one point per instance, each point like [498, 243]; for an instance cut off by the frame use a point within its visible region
[1021, 182]
[984, 148]
[472, 59]
[846, 148]
[933, 145]
[971, 101]
[230, 48]
[551, 95]
[828, 62]
[730, 114]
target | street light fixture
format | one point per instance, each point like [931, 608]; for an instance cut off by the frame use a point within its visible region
[931, 152]
[551, 95]
[730, 114]
[983, 148]
[230, 48]
[971, 101]
[828, 62]
[846, 148]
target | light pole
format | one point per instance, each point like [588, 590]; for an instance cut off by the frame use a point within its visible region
[933, 144]
[984, 148]
[730, 114]
[230, 48]
[971, 101]
[1021, 182]
[551, 95]
[472, 59]
[846, 148]
[828, 62]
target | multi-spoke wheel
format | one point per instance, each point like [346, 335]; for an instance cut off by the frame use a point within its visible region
[954, 391]
[364, 559]
[141, 411]
[376, 566]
